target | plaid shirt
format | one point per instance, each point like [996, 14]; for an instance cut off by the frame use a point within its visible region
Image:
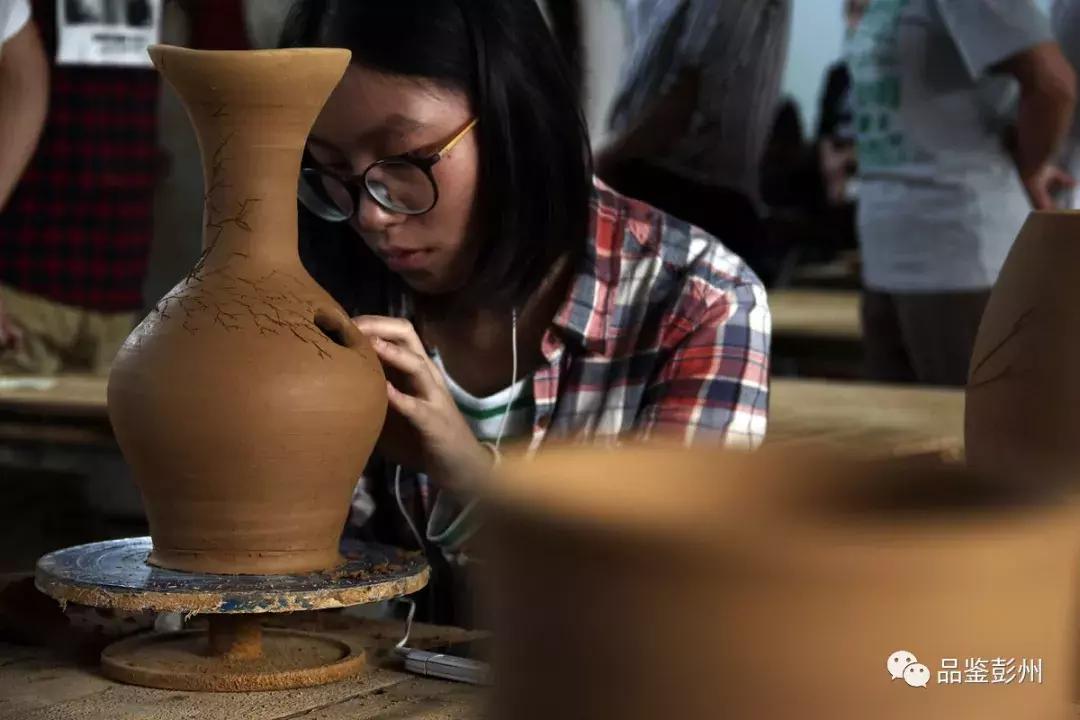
[664, 331]
[77, 229]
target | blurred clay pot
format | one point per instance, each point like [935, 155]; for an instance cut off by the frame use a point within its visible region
[663, 583]
[246, 402]
[1023, 395]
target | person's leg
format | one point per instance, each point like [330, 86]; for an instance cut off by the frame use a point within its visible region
[46, 331]
[939, 332]
[885, 355]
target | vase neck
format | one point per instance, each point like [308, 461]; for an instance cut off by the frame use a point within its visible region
[252, 112]
[249, 202]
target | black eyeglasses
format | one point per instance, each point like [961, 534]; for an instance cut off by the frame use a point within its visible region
[401, 184]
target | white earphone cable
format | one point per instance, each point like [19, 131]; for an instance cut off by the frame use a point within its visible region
[400, 647]
[401, 506]
[513, 378]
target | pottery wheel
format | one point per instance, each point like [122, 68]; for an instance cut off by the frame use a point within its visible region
[235, 653]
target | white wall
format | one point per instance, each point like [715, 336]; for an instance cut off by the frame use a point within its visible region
[817, 36]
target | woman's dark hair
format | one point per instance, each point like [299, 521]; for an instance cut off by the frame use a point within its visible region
[535, 166]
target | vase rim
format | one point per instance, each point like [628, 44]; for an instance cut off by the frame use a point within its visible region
[253, 54]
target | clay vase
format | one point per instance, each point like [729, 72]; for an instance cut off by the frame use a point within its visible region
[660, 583]
[1023, 395]
[246, 403]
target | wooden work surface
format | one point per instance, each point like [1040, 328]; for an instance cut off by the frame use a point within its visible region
[824, 314]
[38, 684]
[866, 418]
[859, 416]
[841, 273]
[67, 411]
[34, 687]
[65, 395]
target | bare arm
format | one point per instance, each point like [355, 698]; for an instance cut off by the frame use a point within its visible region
[1047, 100]
[24, 93]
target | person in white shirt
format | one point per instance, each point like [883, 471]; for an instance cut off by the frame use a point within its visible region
[947, 177]
[24, 92]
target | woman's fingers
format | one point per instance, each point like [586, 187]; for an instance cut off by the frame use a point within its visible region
[396, 330]
[407, 405]
[416, 367]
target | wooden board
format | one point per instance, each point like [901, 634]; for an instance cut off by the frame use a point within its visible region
[825, 314]
[866, 418]
[63, 395]
[34, 686]
[901, 419]
[842, 272]
[40, 684]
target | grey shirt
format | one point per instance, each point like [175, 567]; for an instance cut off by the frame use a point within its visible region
[739, 47]
[940, 201]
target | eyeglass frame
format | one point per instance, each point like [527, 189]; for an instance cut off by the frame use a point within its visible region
[356, 184]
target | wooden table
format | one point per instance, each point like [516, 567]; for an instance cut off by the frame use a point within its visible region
[816, 333]
[35, 684]
[860, 416]
[867, 419]
[839, 273]
[827, 314]
[67, 410]
[63, 395]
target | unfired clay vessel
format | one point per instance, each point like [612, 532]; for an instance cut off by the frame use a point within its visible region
[658, 583]
[1023, 395]
[246, 402]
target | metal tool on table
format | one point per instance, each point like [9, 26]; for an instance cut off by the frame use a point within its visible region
[447, 667]
[235, 653]
[440, 663]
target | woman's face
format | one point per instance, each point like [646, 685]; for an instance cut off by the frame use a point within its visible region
[371, 116]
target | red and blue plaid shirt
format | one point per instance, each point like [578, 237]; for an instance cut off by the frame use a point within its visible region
[77, 229]
[665, 331]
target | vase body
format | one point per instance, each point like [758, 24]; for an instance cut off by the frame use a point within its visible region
[246, 403]
[1023, 396]
[655, 583]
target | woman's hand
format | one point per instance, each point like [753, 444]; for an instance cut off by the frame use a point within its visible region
[424, 429]
[10, 334]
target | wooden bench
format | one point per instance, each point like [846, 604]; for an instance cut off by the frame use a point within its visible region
[853, 415]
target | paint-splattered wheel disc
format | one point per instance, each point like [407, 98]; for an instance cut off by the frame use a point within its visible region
[234, 653]
[114, 574]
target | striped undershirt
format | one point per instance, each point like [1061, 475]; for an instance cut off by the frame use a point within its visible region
[449, 523]
[485, 414]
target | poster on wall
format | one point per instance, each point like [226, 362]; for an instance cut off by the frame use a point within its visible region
[106, 32]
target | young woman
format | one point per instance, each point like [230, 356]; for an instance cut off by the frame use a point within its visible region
[450, 205]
